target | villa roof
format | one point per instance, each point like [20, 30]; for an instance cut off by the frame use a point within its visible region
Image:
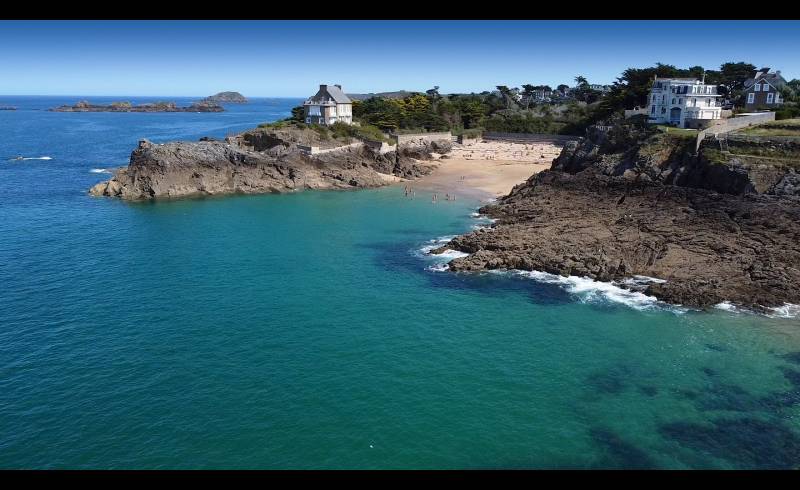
[338, 96]
[773, 78]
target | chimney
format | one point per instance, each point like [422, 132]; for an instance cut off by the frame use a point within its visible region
[323, 87]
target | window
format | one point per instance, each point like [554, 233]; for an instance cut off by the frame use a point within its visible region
[653, 110]
[751, 97]
[673, 101]
[757, 87]
[663, 110]
[770, 98]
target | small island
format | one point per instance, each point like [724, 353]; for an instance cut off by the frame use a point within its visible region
[8, 108]
[85, 106]
[226, 98]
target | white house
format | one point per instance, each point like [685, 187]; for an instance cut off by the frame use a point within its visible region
[684, 102]
[329, 105]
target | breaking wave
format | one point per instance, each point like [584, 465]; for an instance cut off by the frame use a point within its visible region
[788, 310]
[590, 291]
[439, 260]
[100, 171]
[31, 158]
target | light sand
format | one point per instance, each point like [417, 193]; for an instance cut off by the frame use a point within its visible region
[482, 178]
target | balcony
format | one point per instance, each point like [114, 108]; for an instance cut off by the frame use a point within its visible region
[323, 103]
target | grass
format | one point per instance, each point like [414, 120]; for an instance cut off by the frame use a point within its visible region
[785, 127]
[673, 131]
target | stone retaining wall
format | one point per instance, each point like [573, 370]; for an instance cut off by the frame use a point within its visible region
[315, 150]
[556, 139]
[402, 139]
[731, 124]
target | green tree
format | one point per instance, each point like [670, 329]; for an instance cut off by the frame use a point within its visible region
[732, 78]
[298, 114]
[527, 92]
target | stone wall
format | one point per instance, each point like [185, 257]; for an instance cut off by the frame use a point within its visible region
[379, 146]
[402, 139]
[728, 125]
[315, 150]
[555, 139]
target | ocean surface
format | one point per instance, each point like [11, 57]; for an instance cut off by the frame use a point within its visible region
[312, 331]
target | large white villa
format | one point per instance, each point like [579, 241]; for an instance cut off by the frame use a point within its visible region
[684, 102]
[329, 105]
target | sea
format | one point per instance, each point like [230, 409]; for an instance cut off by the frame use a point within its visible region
[313, 330]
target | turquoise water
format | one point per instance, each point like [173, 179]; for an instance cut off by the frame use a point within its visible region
[311, 331]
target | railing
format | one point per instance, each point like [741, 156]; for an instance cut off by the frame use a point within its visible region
[326, 103]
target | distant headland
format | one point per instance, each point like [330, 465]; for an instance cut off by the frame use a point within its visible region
[85, 106]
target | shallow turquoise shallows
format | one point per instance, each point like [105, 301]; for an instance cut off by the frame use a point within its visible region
[311, 331]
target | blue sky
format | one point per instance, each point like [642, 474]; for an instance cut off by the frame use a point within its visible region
[290, 58]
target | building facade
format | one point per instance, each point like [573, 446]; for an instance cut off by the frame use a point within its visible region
[763, 90]
[329, 105]
[683, 102]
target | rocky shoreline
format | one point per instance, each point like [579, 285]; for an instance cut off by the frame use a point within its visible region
[612, 207]
[85, 106]
[259, 161]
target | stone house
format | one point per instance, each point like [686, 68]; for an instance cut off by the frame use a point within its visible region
[328, 105]
[763, 90]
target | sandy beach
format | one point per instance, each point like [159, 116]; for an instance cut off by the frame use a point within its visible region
[481, 178]
[487, 169]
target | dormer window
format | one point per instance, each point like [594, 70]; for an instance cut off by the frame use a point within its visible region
[757, 87]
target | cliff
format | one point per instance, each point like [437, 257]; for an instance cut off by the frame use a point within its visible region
[630, 202]
[256, 161]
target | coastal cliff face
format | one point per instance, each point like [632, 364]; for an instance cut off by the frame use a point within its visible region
[258, 161]
[614, 208]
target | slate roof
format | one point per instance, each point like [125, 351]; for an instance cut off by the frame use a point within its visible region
[337, 95]
[774, 79]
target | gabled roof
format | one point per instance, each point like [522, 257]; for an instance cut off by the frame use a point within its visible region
[338, 96]
[775, 79]
[326, 92]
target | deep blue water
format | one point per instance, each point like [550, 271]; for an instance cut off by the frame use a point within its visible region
[310, 331]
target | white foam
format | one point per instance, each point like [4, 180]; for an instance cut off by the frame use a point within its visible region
[451, 254]
[31, 158]
[100, 171]
[439, 260]
[438, 267]
[788, 310]
[727, 306]
[588, 290]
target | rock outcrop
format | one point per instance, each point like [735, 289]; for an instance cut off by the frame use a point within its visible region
[85, 106]
[226, 98]
[258, 161]
[611, 209]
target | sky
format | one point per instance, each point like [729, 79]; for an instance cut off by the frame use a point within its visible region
[291, 58]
